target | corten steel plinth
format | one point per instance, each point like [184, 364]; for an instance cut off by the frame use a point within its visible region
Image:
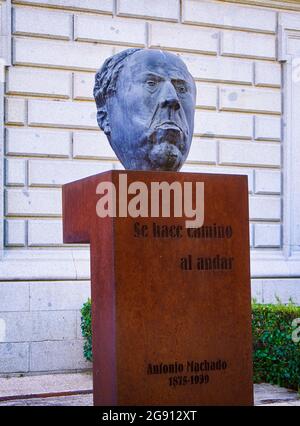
[171, 311]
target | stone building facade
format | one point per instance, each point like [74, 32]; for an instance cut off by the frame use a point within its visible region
[245, 57]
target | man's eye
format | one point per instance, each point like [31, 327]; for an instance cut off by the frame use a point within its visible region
[151, 83]
[181, 88]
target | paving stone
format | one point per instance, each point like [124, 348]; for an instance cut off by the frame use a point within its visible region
[70, 400]
[46, 383]
[264, 394]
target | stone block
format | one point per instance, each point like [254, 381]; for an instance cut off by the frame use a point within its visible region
[188, 38]
[267, 74]
[225, 124]
[207, 96]
[57, 356]
[59, 54]
[92, 145]
[38, 143]
[83, 85]
[203, 151]
[252, 100]
[231, 16]
[58, 172]
[284, 290]
[33, 202]
[250, 153]
[14, 357]
[44, 233]
[58, 295]
[219, 69]
[267, 128]
[267, 235]
[107, 30]
[248, 45]
[28, 81]
[62, 114]
[15, 172]
[167, 10]
[265, 208]
[98, 6]
[267, 181]
[15, 111]
[15, 233]
[43, 23]
[14, 296]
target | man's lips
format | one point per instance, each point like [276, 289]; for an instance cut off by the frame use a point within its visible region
[170, 132]
[168, 125]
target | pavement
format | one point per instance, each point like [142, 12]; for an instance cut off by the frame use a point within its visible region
[75, 389]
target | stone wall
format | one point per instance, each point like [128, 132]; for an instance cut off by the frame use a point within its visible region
[52, 137]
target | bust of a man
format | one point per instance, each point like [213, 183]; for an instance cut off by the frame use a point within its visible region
[145, 102]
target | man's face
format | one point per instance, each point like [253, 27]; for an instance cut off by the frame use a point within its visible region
[151, 115]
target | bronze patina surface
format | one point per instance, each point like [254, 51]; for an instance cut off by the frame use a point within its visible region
[145, 101]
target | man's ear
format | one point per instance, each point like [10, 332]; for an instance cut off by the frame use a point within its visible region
[102, 119]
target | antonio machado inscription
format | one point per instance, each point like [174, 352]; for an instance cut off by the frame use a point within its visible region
[187, 373]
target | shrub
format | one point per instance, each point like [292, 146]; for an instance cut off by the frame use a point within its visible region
[86, 329]
[276, 358]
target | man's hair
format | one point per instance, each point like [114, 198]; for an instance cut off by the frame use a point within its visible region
[105, 85]
[106, 77]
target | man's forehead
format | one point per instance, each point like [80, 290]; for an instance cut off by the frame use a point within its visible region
[157, 62]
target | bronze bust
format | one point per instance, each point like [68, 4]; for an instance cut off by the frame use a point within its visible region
[145, 102]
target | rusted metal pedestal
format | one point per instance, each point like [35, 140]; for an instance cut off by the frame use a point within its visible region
[171, 313]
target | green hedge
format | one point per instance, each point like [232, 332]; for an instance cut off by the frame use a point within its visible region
[86, 329]
[276, 358]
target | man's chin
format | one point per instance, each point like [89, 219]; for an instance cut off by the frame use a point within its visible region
[165, 156]
[169, 134]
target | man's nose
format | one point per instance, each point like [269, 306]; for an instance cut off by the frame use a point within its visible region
[169, 98]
